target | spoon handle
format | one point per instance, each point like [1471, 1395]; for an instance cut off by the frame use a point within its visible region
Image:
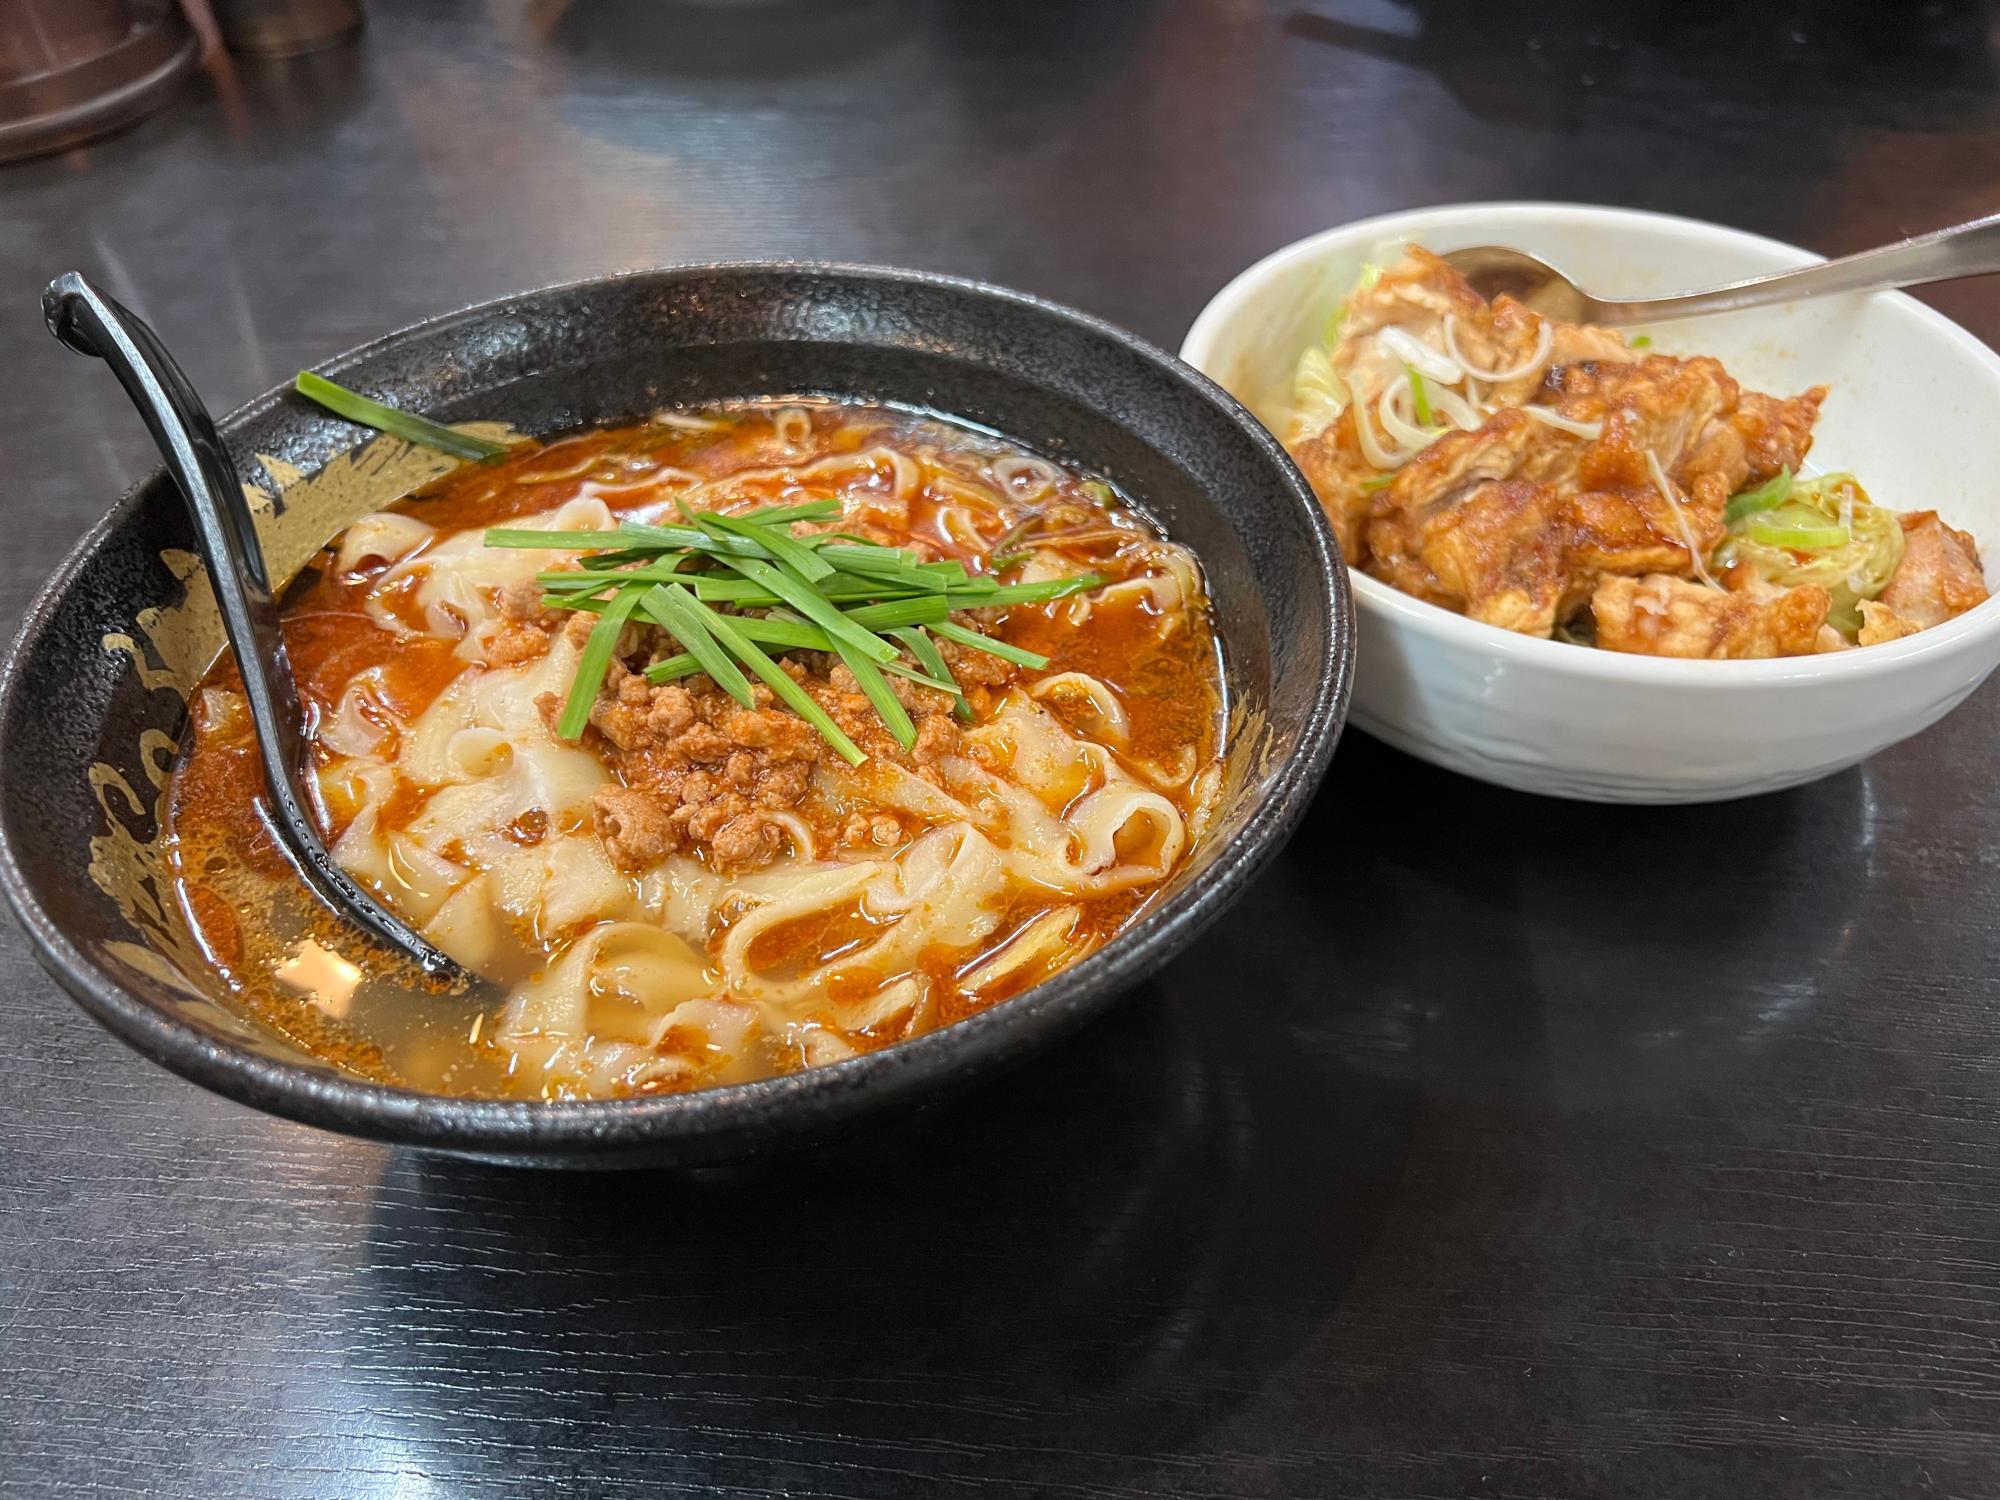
[1944, 255]
[91, 323]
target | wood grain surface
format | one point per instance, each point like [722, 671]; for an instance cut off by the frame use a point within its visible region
[1492, 1147]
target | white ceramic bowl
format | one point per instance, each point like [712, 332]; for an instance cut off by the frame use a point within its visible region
[1914, 410]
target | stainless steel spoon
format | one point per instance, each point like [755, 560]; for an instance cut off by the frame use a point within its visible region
[91, 323]
[1946, 254]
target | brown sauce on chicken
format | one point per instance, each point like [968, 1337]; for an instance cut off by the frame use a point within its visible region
[1553, 480]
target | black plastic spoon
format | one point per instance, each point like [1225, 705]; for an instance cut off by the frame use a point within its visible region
[91, 323]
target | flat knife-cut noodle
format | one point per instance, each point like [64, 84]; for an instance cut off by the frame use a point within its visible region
[891, 898]
[959, 526]
[941, 892]
[793, 426]
[355, 727]
[1104, 715]
[589, 462]
[387, 536]
[1027, 477]
[687, 421]
[647, 484]
[1039, 941]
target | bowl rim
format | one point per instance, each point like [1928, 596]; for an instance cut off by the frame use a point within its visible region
[1507, 647]
[546, 1127]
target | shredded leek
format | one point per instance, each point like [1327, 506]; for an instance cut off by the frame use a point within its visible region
[1419, 397]
[1772, 493]
[1824, 531]
[1798, 528]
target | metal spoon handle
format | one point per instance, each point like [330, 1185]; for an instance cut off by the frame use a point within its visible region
[91, 323]
[1964, 250]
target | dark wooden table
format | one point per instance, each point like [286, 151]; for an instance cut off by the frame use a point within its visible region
[1493, 1146]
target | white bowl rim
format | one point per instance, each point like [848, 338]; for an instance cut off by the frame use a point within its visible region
[1509, 646]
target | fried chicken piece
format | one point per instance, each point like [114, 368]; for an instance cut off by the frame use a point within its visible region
[1515, 522]
[1584, 343]
[1415, 296]
[1418, 296]
[1881, 624]
[1938, 579]
[1659, 615]
[1334, 466]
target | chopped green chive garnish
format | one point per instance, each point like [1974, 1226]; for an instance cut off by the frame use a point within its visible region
[591, 667]
[829, 591]
[779, 544]
[815, 607]
[925, 650]
[805, 510]
[884, 565]
[1643, 341]
[692, 537]
[922, 679]
[990, 646]
[925, 611]
[876, 686]
[1008, 550]
[685, 616]
[789, 692]
[412, 428]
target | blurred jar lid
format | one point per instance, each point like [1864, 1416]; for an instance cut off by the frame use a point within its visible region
[72, 70]
[285, 28]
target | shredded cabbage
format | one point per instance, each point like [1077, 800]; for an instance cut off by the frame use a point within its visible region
[1865, 541]
[1318, 395]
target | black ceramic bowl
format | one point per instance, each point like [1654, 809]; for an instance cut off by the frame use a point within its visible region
[87, 723]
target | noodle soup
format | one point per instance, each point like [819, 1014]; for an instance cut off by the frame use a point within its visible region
[732, 743]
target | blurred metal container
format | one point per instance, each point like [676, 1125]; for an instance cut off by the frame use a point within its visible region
[285, 28]
[72, 70]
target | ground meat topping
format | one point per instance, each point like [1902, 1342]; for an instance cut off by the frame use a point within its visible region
[519, 642]
[699, 773]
